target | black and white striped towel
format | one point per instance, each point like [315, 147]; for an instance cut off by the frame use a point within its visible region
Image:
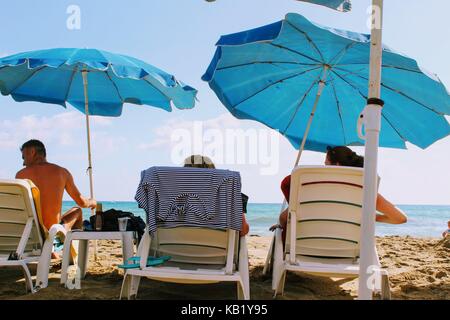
[194, 197]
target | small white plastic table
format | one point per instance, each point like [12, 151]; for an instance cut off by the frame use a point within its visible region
[83, 248]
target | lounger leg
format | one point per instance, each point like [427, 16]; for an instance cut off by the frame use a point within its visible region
[240, 290]
[243, 269]
[125, 286]
[134, 286]
[28, 282]
[278, 261]
[282, 283]
[385, 288]
[46, 256]
[44, 264]
[269, 259]
[130, 286]
[243, 290]
[83, 256]
[127, 246]
[66, 258]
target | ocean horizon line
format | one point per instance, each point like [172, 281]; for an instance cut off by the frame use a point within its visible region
[280, 203]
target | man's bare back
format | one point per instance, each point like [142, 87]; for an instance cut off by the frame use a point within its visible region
[51, 181]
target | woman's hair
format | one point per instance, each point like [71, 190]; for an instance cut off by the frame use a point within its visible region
[199, 161]
[345, 157]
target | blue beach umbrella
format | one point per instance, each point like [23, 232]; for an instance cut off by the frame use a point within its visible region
[287, 73]
[280, 73]
[340, 5]
[95, 82]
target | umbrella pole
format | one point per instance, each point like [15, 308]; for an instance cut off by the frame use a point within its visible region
[86, 111]
[88, 134]
[372, 121]
[308, 126]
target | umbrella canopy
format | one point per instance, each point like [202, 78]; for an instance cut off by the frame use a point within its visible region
[340, 5]
[95, 82]
[55, 76]
[273, 75]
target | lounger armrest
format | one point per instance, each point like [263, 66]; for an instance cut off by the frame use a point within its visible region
[46, 255]
[144, 248]
[243, 256]
[278, 259]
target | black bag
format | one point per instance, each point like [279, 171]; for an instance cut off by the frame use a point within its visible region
[110, 222]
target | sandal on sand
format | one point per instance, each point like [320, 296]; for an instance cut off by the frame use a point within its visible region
[134, 262]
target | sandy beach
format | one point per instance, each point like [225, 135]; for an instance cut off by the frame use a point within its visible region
[418, 269]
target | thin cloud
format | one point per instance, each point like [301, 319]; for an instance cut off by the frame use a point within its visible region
[163, 133]
[62, 129]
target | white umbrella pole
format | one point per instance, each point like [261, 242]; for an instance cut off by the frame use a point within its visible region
[372, 122]
[88, 132]
[308, 126]
[305, 135]
[86, 111]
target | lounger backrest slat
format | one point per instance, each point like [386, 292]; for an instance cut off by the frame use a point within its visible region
[16, 207]
[192, 245]
[327, 202]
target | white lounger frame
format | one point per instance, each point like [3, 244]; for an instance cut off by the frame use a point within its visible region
[210, 256]
[20, 232]
[325, 201]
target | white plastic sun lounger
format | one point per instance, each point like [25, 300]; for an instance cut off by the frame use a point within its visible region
[323, 231]
[21, 234]
[198, 256]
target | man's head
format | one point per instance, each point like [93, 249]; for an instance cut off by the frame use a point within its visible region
[199, 161]
[33, 151]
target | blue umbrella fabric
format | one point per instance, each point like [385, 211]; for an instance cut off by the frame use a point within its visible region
[54, 76]
[340, 5]
[271, 74]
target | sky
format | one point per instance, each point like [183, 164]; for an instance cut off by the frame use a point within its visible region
[178, 36]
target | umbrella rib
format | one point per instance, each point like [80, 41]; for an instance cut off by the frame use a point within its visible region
[300, 104]
[70, 82]
[267, 62]
[309, 40]
[343, 51]
[383, 66]
[396, 91]
[274, 83]
[365, 98]
[115, 86]
[153, 86]
[295, 51]
[339, 111]
[27, 78]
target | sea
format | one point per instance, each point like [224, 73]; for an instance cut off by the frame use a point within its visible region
[424, 221]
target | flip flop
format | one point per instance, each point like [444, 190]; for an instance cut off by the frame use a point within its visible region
[151, 261]
[137, 258]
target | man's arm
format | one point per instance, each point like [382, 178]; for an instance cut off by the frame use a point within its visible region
[75, 194]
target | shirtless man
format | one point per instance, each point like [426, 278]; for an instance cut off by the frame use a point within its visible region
[51, 181]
